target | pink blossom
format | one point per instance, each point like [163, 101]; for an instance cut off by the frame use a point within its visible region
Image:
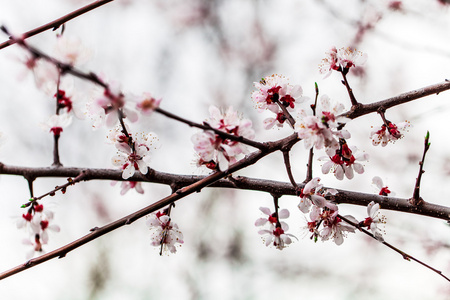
[147, 104]
[383, 135]
[128, 185]
[135, 157]
[273, 91]
[381, 189]
[165, 233]
[312, 193]
[57, 123]
[215, 151]
[335, 227]
[343, 162]
[71, 51]
[373, 220]
[275, 233]
[341, 60]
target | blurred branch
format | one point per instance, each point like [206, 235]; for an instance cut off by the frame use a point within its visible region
[53, 25]
[238, 182]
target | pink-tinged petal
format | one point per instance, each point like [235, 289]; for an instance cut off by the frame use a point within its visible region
[378, 182]
[112, 118]
[138, 188]
[338, 238]
[359, 168]
[349, 172]
[265, 210]
[261, 222]
[283, 214]
[304, 205]
[131, 115]
[339, 173]
[327, 167]
[143, 168]
[128, 171]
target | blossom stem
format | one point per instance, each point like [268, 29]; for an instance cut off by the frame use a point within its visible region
[288, 116]
[350, 91]
[56, 162]
[405, 255]
[206, 126]
[416, 199]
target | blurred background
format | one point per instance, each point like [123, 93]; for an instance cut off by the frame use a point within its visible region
[200, 52]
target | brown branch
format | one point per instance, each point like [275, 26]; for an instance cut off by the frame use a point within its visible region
[238, 182]
[58, 22]
[206, 126]
[364, 109]
[194, 187]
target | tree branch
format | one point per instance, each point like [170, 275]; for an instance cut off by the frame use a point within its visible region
[58, 22]
[364, 109]
[239, 182]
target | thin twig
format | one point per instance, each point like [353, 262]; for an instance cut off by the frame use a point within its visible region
[416, 199]
[349, 90]
[206, 126]
[58, 22]
[405, 255]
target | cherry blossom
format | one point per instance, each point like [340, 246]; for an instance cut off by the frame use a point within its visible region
[147, 104]
[373, 220]
[335, 227]
[107, 107]
[71, 51]
[312, 193]
[216, 151]
[343, 162]
[381, 189]
[322, 130]
[272, 218]
[273, 91]
[57, 123]
[135, 156]
[275, 233]
[385, 134]
[165, 233]
[341, 60]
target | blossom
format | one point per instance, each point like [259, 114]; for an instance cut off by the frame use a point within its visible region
[373, 220]
[272, 217]
[343, 162]
[312, 193]
[147, 104]
[128, 185]
[341, 60]
[109, 106]
[71, 51]
[57, 123]
[385, 134]
[165, 233]
[275, 233]
[216, 151]
[335, 227]
[38, 221]
[133, 155]
[273, 91]
[382, 190]
[322, 130]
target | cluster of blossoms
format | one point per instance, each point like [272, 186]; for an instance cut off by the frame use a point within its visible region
[272, 93]
[390, 133]
[165, 233]
[322, 130]
[343, 161]
[275, 234]
[215, 151]
[341, 60]
[133, 152]
[37, 222]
